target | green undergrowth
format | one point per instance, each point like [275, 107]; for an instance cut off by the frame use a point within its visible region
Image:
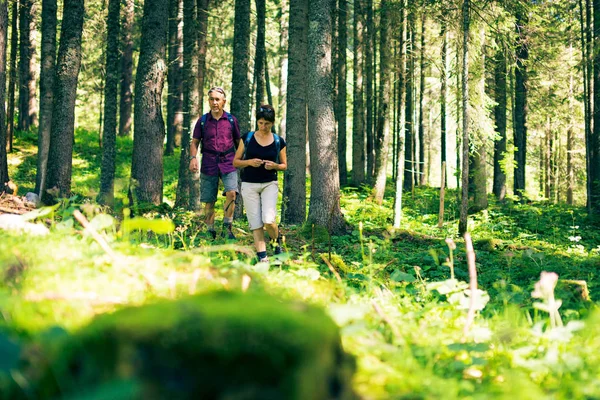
[401, 300]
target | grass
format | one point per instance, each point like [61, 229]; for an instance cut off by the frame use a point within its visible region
[398, 310]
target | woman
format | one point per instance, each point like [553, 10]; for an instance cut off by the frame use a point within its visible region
[260, 155]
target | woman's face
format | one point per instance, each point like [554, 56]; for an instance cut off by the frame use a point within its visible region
[264, 125]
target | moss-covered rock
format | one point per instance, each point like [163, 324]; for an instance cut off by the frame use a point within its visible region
[222, 345]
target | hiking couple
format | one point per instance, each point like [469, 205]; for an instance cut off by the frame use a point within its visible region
[259, 155]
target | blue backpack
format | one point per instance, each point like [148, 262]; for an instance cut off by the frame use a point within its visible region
[203, 120]
[277, 145]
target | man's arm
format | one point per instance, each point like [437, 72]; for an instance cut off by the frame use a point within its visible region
[194, 154]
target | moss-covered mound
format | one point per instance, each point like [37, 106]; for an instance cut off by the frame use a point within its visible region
[216, 346]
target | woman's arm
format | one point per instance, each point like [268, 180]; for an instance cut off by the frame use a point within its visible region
[239, 163]
[282, 166]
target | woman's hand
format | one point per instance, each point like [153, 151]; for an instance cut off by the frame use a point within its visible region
[255, 162]
[270, 165]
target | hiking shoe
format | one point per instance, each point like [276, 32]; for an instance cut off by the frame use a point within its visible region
[263, 260]
[226, 232]
[278, 249]
[276, 244]
[212, 234]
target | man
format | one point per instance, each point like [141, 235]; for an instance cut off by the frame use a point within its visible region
[216, 136]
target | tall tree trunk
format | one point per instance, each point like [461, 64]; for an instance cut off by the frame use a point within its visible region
[149, 127]
[443, 96]
[520, 129]
[111, 89]
[421, 177]
[240, 93]
[283, 67]
[260, 57]
[409, 156]
[294, 189]
[3, 46]
[48, 61]
[189, 48]
[399, 166]
[324, 209]
[462, 224]
[478, 154]
[570, 132]
[174, 78]
[584, 25]
[383, 123]
[358, 112]
[499, 187]
[341, 97]
[60, 154]
[126, 98]
[14, 44]
[369, 83]
[27, 84]
[594, 142]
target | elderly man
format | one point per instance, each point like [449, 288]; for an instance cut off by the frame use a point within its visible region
[216, 136]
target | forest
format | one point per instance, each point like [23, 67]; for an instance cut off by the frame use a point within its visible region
[438, 211]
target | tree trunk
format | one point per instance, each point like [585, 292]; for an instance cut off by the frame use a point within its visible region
[294, 189]
[149, 127]
[189, 48]
[358, 112]
[422, 178]
[27, 84]
[520, 128]
[370, 42]
[584, 24]
[399, 166]
[409, 156]
[383, 123]
[443, 95]
[499, 187]
[324, 209]
[570, 132]
[341, 97]
[60, 154]
[260, 57]
[3, 46]
[174, 78]
[283, 68]
[48, 61]
[462, 224]
[126, 98]
[111, 89]
[14, 45]
[478, 154]
[240, 92]
[594, 142]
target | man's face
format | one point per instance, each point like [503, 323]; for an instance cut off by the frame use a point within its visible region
[216, 101]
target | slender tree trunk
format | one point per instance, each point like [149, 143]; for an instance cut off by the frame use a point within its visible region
[594, 142]
[48, 61]
[341, 97]
[499, 188]
[383, 123]
[260, 57]
[27, 84]
[590, 91]
[294, 190]
[443, 96]
[189, 48]
[4, 178]
[570, 133]
[283, 67]
[585, 53]
[462, 224]
[521, 105]
[149, 127]
[240, 93]
[370, 77]
[422, 178]
[409, 156]
[399, 166]
[174, 78]
[60, 154]
[126, 98]
[111, 89]
[478, 154]
[14, 44]
[358, 112]
[324, 209]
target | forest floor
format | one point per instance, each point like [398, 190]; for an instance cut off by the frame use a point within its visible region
[399, 296]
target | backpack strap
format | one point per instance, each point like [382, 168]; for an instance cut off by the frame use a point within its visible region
[277, 145]
[203, 120]
[246, 142]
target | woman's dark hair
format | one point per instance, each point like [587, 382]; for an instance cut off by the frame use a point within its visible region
[266, 112]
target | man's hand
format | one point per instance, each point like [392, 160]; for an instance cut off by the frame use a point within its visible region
[194, 165]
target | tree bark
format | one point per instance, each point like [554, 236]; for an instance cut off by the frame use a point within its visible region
[399, 166]
[383, 123]
[283, 67]
[14, 45]
[369, 74]
[111, 89]
[341, 96]
[478, 154]
[27, 84]
[294, 188]
[358, 111]
[443, 97]
[48, 61]
[594, 142]
[324, 209]
[149, 128]
[126, 98]
[174, 78]
[4, 178]
[464, 203]
[260, 56]
[240, 92]
[62, 134]
[421, 177]
[499, 187]
[520, 129]
[409, 137]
